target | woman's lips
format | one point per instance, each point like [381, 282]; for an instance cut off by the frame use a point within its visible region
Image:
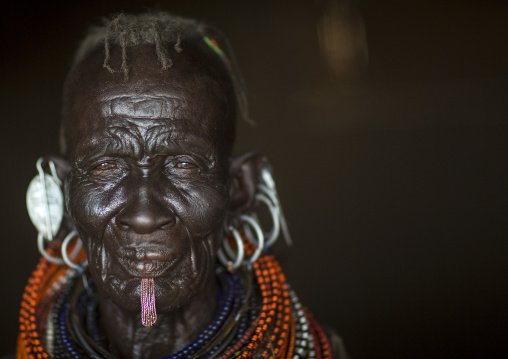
[143, 254]
[146, 265]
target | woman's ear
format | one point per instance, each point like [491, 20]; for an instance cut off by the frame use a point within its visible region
[63, 167]
[244, 173]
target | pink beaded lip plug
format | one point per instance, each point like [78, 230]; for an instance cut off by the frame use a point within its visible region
[148, 311]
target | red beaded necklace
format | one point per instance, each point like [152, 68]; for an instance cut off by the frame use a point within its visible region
[271, 334]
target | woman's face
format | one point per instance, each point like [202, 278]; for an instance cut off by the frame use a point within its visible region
[148, 189]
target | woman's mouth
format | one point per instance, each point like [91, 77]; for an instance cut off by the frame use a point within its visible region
[146, 265]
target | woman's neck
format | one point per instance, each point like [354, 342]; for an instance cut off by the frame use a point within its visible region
[173, 331]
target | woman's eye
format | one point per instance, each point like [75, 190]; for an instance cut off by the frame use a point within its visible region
[104, 167]
[185, 165]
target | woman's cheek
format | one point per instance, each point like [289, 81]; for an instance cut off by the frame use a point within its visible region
[92, 206]
[206, 209]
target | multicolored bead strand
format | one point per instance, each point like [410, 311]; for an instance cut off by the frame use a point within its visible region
[148, 311]
[258, 315]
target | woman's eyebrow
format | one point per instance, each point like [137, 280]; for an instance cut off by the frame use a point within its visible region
[107, 143]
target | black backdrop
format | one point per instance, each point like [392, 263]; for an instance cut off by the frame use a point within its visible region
[393, 181]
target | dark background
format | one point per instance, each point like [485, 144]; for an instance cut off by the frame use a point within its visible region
[391, 168]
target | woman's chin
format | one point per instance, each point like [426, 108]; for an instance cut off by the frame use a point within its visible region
[170, 293]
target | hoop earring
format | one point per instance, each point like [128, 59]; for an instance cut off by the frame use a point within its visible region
[272, 235]
[42, 251]
[268, 188]
[226, 250]
[68, 259]
[267, 194]
[260, 242]
[65, 259]
[229, 264]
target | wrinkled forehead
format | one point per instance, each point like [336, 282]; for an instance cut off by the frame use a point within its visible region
[196, 92]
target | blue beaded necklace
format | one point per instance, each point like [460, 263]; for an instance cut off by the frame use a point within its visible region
[70, 342]
[257, 314]
[63, 346]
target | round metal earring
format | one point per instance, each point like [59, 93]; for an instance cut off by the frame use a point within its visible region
[223, 258]
[260, 238]
[68, 258]
[268, 188]
[272, 235]
[42, 251]
[65, 259]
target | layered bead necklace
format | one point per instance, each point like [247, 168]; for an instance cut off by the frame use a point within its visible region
[258, 315]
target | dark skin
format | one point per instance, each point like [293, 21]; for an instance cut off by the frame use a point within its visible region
[150, 184]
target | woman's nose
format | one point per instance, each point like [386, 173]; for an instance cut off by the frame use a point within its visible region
[145, 214]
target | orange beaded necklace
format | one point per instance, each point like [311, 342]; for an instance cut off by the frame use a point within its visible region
[281, 328]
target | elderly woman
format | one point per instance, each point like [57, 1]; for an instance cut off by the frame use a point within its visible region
[175, 262]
